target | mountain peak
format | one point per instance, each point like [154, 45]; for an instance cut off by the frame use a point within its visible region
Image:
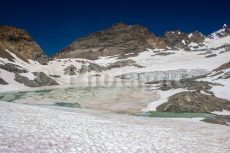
[118, 39]
[21, 43]
[13, 33]
[223, 32]
[225, 26]
[119, 26]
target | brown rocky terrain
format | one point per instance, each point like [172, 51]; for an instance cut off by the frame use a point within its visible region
[223, 67]
[220, 71]
[178, 39]
[119, 39]
[20, 43]
[194, 102]
[122, 39]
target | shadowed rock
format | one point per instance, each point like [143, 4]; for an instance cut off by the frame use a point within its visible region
[3, 82]
[12, 68]
[123, 63]
[70, 70]
[41, 80]
[223, 67]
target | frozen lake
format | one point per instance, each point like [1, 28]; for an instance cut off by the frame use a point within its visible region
[117, 99]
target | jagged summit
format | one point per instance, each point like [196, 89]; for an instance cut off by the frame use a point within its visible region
[121, 39]
[223, 32]
[21, 43]
[118, 39]
[118, 26]
[180, 40]
[225, 26]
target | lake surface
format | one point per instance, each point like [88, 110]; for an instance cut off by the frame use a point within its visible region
[116, 99]
[128, 100]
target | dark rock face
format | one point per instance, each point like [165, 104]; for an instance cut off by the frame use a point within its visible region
[55, 76]
[175, 38]
[119, 39]
[3, 82]
[20, 42]
[96, 67]
[189, 84]
[12, 68]
[223, 67]
[6, 55]
[41, 80]
[70, 70]
[212, 55]
[218, 119]
[85, 67]
[26, 81]
[220, 71]
[91, 67]
[178, 39]
[193, 102]
[164, 53]
[123, 63]
[44, 80]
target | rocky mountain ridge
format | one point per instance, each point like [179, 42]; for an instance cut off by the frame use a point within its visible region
[223, 32]
[122, 39]
[20, 43]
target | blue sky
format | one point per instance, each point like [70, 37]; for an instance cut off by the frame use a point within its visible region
[55, 24]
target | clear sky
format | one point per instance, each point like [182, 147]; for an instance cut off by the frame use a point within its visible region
[56, 23]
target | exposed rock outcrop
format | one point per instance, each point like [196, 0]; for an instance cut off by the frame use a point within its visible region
[85, 67]
[218, 119]
[91, 67]
[70, 70]
[223, 32]
[3, 82]
[41, 80]
[194, 102]
[123, 63]
[223, 67]
[12, 68]
[95, 67]
[181, 40]
[222, 71]
[55, 76]
[189, 84]
[20, 43]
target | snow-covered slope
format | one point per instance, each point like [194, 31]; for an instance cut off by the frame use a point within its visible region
[37, 129]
